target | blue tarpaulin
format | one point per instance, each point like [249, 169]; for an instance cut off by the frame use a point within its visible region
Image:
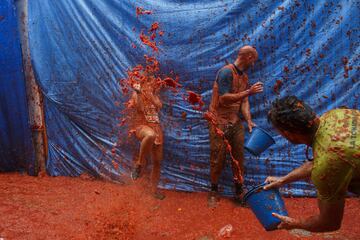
[80, 48]
[16, 151]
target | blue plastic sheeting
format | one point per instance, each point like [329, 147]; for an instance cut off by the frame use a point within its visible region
[16, 151]
[80, 48]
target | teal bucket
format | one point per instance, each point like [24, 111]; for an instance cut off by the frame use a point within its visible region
[259, 141]
[265, 202]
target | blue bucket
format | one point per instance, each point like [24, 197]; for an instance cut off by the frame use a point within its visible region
[259, 141]
[265, 202]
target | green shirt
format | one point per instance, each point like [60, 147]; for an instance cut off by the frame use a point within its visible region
[336, 149]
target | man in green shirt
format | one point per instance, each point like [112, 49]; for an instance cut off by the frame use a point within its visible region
[335, 169]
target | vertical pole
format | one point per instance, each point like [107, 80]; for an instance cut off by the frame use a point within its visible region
[34, 95]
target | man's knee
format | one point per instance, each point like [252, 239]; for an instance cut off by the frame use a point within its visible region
[150, 135]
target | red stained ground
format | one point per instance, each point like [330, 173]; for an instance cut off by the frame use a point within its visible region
[82, 208]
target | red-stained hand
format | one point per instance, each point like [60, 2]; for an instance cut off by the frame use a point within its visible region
[250, 124]
[273, 182]
[256, 88]
[287, 223]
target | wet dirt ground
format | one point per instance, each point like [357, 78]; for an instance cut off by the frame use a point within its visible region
[84, 208]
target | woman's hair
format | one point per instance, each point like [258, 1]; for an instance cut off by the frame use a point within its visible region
[293, 115]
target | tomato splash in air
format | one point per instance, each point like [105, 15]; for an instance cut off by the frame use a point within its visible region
[171, 82]
[146, 40]
[195, 99]
[141, 73]
[154, 27]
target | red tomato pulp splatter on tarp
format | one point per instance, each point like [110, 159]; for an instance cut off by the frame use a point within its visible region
[345, 61]
[141, 11]
[277, 86]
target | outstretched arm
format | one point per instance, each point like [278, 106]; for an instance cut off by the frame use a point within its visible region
[302, 172]
[329, 219]
[331, 213]
[230, 98]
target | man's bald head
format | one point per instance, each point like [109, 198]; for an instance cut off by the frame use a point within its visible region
[247, 57]
[248, 50]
